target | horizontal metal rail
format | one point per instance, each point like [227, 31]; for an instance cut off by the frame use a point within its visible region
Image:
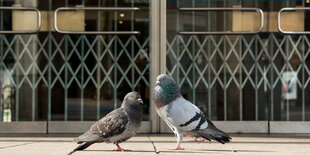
[94, 9]
[224, 32]
[291, 9]
[23, 31]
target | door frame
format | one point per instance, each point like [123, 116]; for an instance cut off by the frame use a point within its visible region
[158, 55]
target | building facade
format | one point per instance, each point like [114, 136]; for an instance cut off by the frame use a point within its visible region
[65, 64]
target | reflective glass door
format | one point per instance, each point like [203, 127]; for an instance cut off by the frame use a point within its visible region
[234, 70]
[78, 65]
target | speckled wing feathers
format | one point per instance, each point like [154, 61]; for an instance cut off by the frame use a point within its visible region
[111, 125]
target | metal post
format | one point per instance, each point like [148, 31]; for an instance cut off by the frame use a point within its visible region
[132, 49]
[49, 110]
[193, 61]
[209, 63]
[303, 76]
[225, 65]
[66, 74]
[240, 80]
[115, 61]
[1, 60]
[98, 75]
[82, 77]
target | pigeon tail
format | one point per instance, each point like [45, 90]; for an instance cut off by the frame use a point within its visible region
[88, 136]
[81, 147]
[215, 134]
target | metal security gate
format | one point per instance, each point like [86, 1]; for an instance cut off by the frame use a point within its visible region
[65, 64]
[75, 66]
[237, 67]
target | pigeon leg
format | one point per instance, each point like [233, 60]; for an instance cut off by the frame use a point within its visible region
[119, 148]
[178, 147]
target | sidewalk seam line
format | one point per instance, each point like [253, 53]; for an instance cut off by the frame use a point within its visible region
[14, 145]
[155, 149]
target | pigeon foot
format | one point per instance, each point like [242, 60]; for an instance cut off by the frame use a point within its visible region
[119, 148]
[178, 147]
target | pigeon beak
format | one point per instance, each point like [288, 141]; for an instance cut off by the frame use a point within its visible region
[140, 101]
[157, 83]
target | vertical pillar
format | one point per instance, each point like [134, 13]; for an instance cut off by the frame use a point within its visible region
[158, 52]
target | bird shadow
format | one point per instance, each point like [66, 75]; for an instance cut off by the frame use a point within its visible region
[193, 151]
[248, 151]
[179, 151]
[117, 151]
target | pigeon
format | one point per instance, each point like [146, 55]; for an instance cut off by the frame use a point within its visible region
[117, 126]
[182, 116]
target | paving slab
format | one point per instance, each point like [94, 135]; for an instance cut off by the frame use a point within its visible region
[64, 145]
[240, 145]
[157, 144]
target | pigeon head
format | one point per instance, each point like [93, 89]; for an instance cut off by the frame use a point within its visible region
[132, 105]
[132, 99]
[164, 80]
[165, 90]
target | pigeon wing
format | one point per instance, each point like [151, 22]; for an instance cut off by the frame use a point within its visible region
[183, 115]
[111, 125]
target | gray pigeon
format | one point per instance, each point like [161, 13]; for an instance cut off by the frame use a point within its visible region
[117, 126]
[182, 116]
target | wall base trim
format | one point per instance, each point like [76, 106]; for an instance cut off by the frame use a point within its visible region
[78, 127]
[23, 127]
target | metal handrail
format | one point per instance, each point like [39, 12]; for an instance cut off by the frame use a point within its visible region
[94, 8]
[225, 9]
[291, 9]
[23, 31]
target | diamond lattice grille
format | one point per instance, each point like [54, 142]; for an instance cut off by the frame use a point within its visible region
[234, 66]
[71, 63]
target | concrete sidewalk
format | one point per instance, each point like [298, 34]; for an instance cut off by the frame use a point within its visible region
[157, 144]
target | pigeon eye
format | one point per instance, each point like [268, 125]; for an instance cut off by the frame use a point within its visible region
[133, 97]
[164, 79]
